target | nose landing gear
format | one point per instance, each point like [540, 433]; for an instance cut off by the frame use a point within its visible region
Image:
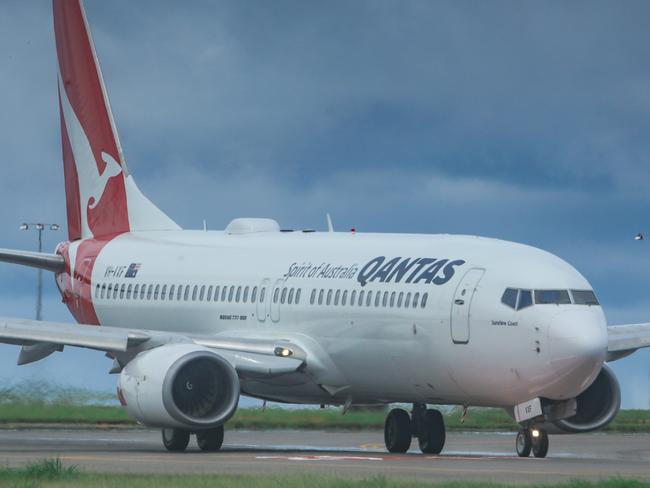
[533, 439]
[426, 424]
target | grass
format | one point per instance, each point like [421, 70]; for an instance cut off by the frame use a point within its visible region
[42, 403]
[52, 473]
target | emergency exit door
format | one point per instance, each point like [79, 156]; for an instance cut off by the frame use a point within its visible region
[461, 305]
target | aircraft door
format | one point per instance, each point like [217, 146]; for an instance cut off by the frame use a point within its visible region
[274, 300]
[262, 298]
[461, 305]
[81, 289]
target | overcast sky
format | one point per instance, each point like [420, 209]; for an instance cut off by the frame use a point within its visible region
[526, 121]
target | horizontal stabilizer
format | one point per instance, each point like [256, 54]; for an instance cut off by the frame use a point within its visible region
[46, 261]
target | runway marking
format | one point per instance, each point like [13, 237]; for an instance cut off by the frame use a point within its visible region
[321, 458]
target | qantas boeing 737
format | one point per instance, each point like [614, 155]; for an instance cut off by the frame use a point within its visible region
[193, 319]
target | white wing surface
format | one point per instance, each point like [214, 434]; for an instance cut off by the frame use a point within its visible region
[623, 340]
[250, 357]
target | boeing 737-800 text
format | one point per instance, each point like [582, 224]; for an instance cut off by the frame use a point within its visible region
[193, 319]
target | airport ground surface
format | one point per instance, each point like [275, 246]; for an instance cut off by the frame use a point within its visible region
[467, 456]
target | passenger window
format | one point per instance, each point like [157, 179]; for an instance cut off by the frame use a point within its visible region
[149, 292]
[202, 293]
[109, 291]
[320, 296]
[416, 298]
[208, 295]
[254, 294]
[337, 295]
[276, 295]
[283, 297]
[290, 299]
[298, 296]
[525, 299]
[377, 298]
[128, 291]
[163, 292]
[103, 290]
[361, 293]
[392, 299]
[136, 290]
[156, 292]
[195, 292]
[143, 291]
[179, 294]
[312, 297]
[262, 294]
[329, 297]
[584, 297]
[400, 298]
[238, 296]
[224, 293]
[556, 297]
[115, 291]
[353, 298]
[186, 295]
[407, 301]
[172, 288]
[245, 297]
[509, 297]
[384, 301]
[217, 289]
[344, 298]
[425, 297]
[231, 294]
[369, 298]
[97, 290]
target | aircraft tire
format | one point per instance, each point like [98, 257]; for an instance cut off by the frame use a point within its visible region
[432, 437]
[210, 440]
[397, 431]
[175, 440]
[523, 444]
[540, 444]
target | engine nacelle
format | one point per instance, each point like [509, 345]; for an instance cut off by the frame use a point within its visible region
[180, 385]
[596, 406]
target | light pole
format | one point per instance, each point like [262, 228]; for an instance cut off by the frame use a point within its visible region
[40, 227]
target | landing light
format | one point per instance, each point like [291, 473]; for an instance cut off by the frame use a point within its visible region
[534, 433]
[284, 352]
[638, 237]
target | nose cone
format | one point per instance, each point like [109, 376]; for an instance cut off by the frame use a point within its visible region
[578, 346]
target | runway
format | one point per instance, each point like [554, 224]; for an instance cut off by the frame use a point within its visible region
[468, 456]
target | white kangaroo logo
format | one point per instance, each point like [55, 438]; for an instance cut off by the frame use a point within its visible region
[112, 169]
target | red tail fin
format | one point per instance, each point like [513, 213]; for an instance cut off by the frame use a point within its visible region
[102, 198]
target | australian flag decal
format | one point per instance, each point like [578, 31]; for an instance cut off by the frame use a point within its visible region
[132, 271]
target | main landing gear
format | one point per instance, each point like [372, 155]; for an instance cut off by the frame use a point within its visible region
[209, 440]
[533, 439]
[425, 424]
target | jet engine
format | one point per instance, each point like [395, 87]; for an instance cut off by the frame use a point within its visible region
[596, 406]
[179, 385]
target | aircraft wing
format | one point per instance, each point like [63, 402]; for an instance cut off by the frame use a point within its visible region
[623, 340]
[250, 357]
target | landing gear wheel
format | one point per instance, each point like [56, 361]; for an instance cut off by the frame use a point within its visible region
[432, 437]
[524, 443]
[175, 440]
[540, 444]
[210, 440]
[397, 431]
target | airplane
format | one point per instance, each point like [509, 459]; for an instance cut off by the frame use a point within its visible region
[193, 318]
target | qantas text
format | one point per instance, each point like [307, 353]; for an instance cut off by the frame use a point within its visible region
[408, 270]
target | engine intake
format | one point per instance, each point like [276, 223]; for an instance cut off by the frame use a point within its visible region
[596, 407]
[181, 385]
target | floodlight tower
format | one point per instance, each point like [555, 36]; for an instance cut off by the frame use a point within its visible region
[40, 227]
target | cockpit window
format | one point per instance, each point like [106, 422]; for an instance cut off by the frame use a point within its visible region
[584, 297]
[525, 299]
[556, 297]
[509, 297]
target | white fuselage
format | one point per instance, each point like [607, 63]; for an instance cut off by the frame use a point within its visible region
[463, 346]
